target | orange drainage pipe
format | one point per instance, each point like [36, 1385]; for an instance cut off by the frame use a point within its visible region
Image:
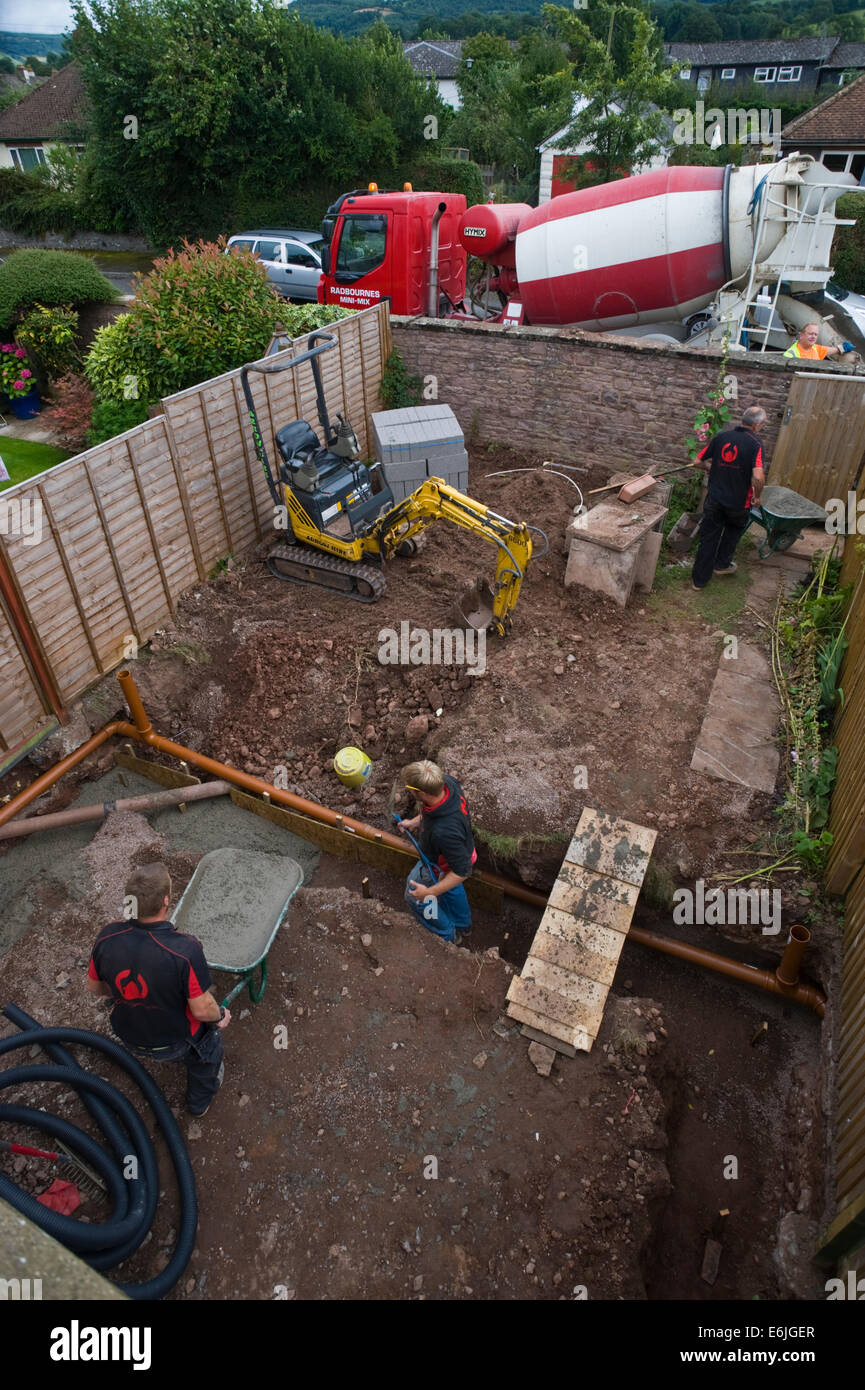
[144, 732]
[784, 980]
[53, 775]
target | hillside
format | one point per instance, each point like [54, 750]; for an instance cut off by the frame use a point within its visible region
[21, 46]
[349, 17]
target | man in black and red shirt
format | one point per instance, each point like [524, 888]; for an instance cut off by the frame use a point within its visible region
[444, 827]
[734, 460]
[160, 983]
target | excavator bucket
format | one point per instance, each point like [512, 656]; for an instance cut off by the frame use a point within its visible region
[475, 608]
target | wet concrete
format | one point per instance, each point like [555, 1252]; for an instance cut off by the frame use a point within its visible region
[53, 859]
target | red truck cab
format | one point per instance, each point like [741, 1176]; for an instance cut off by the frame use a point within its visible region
[383, 245]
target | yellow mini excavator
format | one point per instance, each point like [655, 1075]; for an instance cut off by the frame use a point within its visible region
[337, 513]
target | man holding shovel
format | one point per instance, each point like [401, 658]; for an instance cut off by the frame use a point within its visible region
[434, 889]
[734, 461]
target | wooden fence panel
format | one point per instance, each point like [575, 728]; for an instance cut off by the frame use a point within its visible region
[821, 443]
[130, 526]
[847, 818]
[21, 708]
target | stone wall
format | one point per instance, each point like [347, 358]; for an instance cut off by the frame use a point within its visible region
[579, 397]
[77, 241]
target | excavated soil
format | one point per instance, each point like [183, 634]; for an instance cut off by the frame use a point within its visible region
[610, 1173]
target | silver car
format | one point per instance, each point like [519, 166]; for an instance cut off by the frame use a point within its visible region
[292, 259]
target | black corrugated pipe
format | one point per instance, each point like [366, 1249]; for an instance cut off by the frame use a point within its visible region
[133, 1198]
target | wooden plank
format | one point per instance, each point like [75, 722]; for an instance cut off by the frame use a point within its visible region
[118, 568]
[586, 996]
[594, 897]
[549, 1004]
[73, 588]
[536, 1035]
[184, 497]
[611, 846]
[574, 1037]
[601, 941]
[573, 956]
[155, 772]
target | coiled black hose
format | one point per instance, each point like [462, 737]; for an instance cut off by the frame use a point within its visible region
[133, 1197]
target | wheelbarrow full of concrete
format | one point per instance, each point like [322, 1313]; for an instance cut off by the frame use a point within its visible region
[235, 903]
[783, 513]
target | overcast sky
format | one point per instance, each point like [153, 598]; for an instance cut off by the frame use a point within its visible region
[41, 17]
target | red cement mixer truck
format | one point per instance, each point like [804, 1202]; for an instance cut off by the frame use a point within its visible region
[685, 254]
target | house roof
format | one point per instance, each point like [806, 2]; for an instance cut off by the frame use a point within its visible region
[838, 119]
[746, 51]
[847, 55]
[43, 113]
[434, 57]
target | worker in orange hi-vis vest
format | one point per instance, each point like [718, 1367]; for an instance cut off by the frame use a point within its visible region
[807, 346]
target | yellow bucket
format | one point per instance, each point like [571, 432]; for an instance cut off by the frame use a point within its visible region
[352, 766]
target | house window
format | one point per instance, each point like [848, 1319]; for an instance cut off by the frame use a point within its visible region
[764, 74]
[727, 74]
[685, 74]
[27, 157]
[790, 74]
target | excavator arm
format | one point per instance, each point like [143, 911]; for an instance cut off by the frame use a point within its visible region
[435, 501]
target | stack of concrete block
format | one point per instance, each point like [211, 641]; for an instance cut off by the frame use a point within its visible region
[420, 442]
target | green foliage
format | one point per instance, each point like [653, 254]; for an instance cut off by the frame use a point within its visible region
[297, 319]
[848, 251]
[111, 418]
[807, 646]
[31, 206]
[48, 332]
[49, 277]
[16, 374]
[231, 98]
[197, 314]
[511, 101]
[398, 387]
[712, 416]
[624, 86]
[449, 176]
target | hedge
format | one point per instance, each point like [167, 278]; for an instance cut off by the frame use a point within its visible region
[49, 277]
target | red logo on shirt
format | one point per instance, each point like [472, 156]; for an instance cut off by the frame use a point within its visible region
[129, 989]
[729, 453]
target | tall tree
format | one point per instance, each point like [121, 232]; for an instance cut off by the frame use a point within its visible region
[200, 107]
[619, 121]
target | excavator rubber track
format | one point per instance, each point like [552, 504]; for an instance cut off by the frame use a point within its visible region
[300, 565]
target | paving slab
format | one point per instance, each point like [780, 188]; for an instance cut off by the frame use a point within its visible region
[736, 742]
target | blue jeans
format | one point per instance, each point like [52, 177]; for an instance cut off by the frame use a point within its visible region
[444, 915]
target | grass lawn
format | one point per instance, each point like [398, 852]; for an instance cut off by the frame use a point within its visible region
[24, 459]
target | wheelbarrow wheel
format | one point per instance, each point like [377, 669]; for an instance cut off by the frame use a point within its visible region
[789, 538]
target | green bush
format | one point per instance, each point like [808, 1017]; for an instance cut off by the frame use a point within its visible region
[49, 277]
[848, 253]
[30, 205]
[297, 319]
[48, 332]
[111, 418]
[449, 176]
[197, 314]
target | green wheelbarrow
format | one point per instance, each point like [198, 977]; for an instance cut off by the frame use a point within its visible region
[235, 903]
[783, 514]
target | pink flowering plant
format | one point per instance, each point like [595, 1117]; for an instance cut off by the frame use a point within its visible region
[16, 378]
